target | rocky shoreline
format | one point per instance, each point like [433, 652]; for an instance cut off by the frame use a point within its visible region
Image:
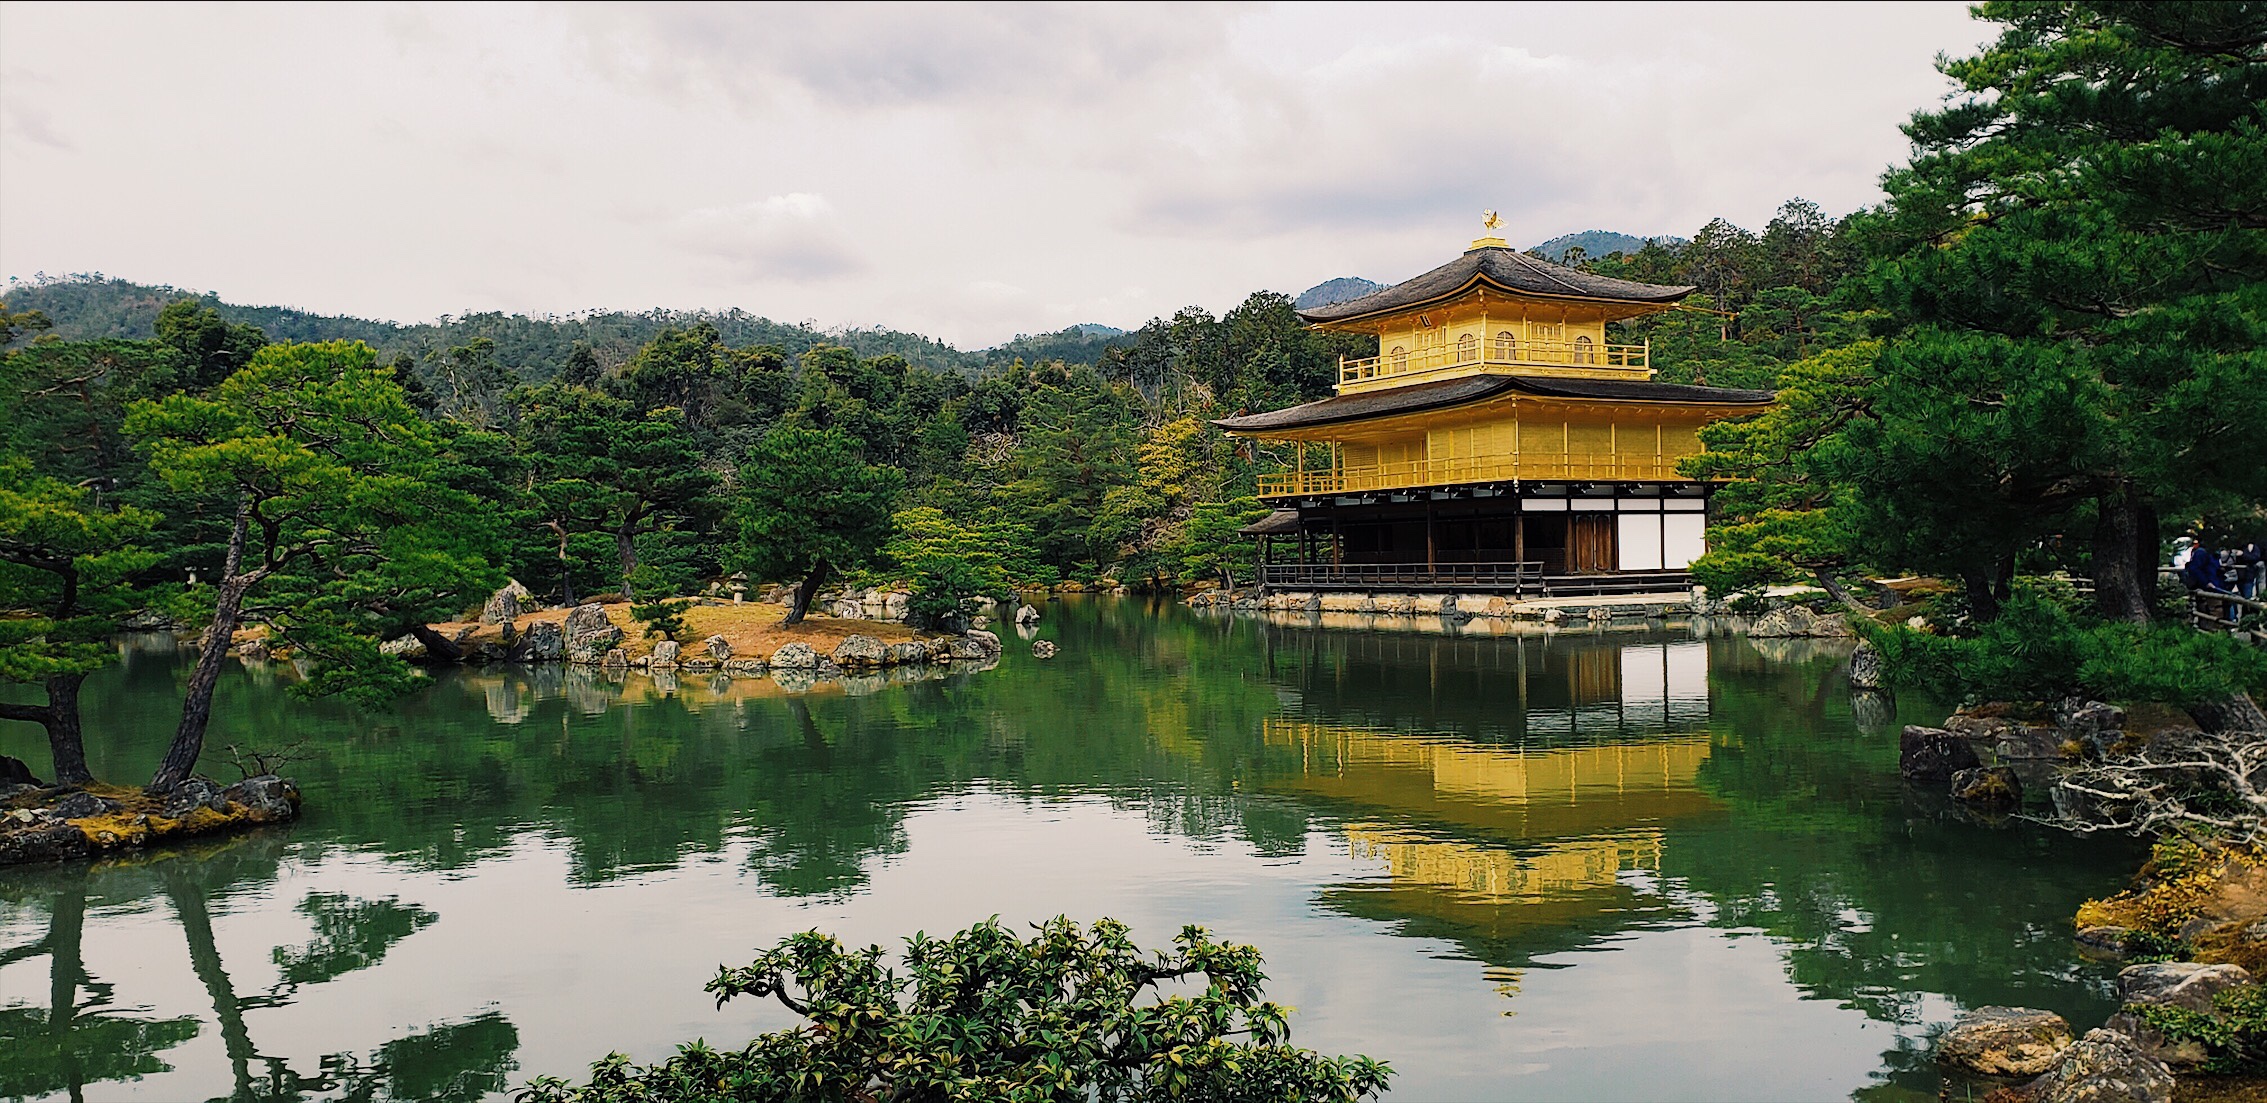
[40, 823]
[2192, 1018]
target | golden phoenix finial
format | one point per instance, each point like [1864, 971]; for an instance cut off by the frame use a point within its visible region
[1489, 219]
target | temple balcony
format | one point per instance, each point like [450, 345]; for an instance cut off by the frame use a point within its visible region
[1581, 354]
[1414, 474]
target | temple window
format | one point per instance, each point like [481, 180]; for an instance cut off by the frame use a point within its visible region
[1582, 349]
[1507, 346]
[1467, 348]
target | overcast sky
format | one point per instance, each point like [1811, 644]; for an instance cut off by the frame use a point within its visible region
[966, 172]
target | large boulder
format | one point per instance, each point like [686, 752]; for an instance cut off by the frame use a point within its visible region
[505, 605]
[1933, 754]
[190, 795]
[794, 656]
[544, 642]
[905, 653]
[855, 652]
[2004, 1041]
[2184, 984]
[1866, 670]
[407, 648]
[1042, 649]
[2103, 1067]
[1798, 621]
[2081, 717]
[1987, 787]
[589, 634]
[1027, 614]
[984, 640]
[664, 655]
[718, 648]
[266, 798]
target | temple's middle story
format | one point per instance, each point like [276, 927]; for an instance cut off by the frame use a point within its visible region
[1498, 440]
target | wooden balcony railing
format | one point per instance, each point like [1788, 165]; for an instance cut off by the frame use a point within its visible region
[1548, 354]
[1353, 478]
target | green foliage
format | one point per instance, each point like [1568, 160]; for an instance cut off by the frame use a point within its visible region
[1072, 1014]
[2234, 1032]
[212, 347]
[66, 567]
[808, 501]
[946, 561]
[661, 614]
[1210, 546]
[598, 466]
[351, 537]
[2041, 649]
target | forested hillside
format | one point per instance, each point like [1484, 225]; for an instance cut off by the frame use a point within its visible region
[608, 441]
[531, 348]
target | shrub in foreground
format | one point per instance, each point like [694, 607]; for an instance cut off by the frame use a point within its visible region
[1071, 1014]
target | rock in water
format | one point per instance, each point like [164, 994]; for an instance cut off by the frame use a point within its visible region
[855, 652]
[2004, 1041]
[1987, 787]
[269, 799]
[13, 772]
[985, 641]
[1865, 668]
[1028, 614]
[190, 795]
[2104, 1067]
[664, 654]
[794, 656]
[1042, 649]
[505, 605]
[2184, 984]
[906, 653]
[1797, 621]
[1933, 754]
[718, 648]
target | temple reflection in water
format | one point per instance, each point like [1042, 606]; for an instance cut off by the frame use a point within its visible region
[1509, 813]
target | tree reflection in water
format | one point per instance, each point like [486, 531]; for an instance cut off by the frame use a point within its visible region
[71, 1043]
[1524, 801]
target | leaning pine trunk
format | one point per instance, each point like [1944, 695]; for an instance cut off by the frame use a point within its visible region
[2124, 575]
[805, 591]
[1832, 584]
[197, 704]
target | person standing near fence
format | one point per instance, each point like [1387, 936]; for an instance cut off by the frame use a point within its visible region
[2251, 571]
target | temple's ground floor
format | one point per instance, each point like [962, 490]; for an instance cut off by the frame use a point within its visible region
[1538, 538]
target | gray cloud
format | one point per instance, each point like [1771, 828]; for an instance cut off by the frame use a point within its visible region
[968, 171]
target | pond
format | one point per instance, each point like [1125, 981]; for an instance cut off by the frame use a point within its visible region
[1654, 863]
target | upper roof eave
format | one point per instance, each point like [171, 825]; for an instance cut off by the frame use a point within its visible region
[1505, 269]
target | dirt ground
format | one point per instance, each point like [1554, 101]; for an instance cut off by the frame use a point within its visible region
[753, 629]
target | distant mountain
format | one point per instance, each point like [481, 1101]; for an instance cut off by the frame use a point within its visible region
[88, 307]
[1596, 243]
[1335, 291]
[1080, 344]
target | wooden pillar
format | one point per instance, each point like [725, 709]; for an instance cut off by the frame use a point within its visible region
[1432, 540]
[1337, 544]
[1519, 553]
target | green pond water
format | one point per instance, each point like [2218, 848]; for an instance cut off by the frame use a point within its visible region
[1596, 864]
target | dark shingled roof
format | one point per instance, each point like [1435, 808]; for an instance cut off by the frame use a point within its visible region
[1472, 388]
[1508, 269]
